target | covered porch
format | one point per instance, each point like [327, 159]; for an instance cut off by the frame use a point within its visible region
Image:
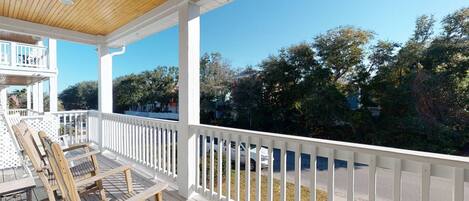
[188, 155]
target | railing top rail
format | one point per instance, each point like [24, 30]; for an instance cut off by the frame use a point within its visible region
[70, 112]
[22, 44]
[139, 118]
[419, 156]
[32, 46]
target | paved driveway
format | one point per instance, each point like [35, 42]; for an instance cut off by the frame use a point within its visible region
[440, 189]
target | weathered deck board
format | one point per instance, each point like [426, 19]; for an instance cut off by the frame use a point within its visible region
[115, 185]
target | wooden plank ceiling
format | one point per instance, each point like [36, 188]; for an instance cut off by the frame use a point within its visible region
[97, 17]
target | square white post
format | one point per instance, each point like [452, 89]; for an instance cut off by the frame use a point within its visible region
[53, 94]
[28, 97]
[104, 88]
[4, 99]
[104, 80]
[40, 93]
[53, 79]
[35, 97]
[189, 98]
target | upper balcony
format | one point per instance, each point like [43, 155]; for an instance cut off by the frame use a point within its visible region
[22, 55]
[23, 64]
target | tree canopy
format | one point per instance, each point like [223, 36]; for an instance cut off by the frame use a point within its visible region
[344, 84]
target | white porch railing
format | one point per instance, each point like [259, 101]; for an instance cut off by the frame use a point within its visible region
[73, 126]
[213, 142]
[152, 143]
[23, 112]
[23, 55]
[148, 142]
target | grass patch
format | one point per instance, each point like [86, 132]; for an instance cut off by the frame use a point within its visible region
[305, 193]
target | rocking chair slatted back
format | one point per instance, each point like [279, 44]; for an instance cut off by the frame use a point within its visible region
[60, 168]
[26, 141]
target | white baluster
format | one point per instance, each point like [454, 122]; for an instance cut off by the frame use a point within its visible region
[212, 163]
[228, 167]
[298, 172]
[204, 160]
[258, 169]
[219, 168]
[330, 175]
[312, 169]
[425, 185]
[397, 180]
[174, 150]
[283, 172]
[237, 168]
[350, 176]
[247, 168]
[270, 176]
[372, 178]
[458, 184]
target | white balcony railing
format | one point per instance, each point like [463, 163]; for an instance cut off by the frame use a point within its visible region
[23, 55]
[152, 144]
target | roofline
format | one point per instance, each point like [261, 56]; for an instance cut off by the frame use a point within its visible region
[155, 20]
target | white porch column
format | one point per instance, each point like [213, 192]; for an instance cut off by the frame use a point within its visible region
[35, 97]
[104, 80]
[104, 88]
[28, 97]
[4, 99]
[40, 89]
[189, 99]
[53, 79]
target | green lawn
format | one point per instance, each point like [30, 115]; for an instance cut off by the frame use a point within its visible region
[320, 195]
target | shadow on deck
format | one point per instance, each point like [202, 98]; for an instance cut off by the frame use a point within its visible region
[115, 185]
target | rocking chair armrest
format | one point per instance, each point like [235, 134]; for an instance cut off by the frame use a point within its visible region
[103, 175]
[85, 155]
[76, 146]
[152, 191]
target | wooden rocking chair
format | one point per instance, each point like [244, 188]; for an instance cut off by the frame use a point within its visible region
[30, 146]
[68, 185]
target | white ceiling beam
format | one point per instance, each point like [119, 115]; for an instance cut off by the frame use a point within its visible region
[35, 29]
[154, 21]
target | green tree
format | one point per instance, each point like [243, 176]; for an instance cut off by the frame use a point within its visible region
[158, 85]
[83, 95]
[247, 99]
[342, 51]
[216, 79]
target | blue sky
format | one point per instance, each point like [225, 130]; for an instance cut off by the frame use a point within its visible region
[247, 31]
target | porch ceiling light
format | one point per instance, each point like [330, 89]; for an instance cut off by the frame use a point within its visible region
[67, 2]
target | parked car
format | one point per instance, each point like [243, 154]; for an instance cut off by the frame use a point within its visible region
[253, 155]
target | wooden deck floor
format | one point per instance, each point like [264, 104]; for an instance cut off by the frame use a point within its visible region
[115, 185]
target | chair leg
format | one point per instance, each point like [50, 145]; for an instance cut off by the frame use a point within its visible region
[102, 192]
[128, 180]
[99, 184]
[29, 195]
[159, 196]
[47, 187]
